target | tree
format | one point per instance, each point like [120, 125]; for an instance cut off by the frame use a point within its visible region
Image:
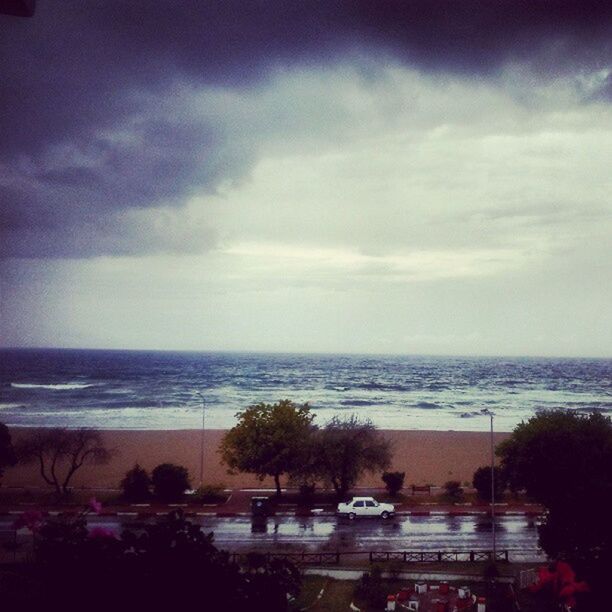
[268, 440]
[136, 485]
[155, 567]
[394, 481]
[60, 453]
[482, 482]
[560, 455]
[7, 453]
[563, 460]
[170, 482]
[347, 448]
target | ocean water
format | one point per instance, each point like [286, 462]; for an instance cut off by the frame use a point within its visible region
[158, 390]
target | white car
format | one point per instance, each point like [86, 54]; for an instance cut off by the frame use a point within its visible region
[365, 506]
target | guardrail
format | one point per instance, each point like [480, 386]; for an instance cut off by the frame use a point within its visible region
[441, 556]
[305, 558]
[405, 556]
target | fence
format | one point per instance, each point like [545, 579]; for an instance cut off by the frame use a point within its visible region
[405, 556]
[421, 556]
[527, 578]
[305, 558]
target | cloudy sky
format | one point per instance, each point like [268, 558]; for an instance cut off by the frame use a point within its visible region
[384, 176]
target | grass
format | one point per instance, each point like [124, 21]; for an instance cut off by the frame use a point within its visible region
[337, 597]
[339, 594]
[311, 587]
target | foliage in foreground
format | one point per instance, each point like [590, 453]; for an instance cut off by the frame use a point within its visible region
[167, 565]
[563, 460]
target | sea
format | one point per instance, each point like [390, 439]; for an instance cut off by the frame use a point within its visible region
[111, 389]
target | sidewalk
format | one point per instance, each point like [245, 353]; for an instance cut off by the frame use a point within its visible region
[239, 504]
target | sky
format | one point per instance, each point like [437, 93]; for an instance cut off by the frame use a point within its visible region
[370, 177]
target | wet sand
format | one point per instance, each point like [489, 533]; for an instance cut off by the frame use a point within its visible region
[427, 457]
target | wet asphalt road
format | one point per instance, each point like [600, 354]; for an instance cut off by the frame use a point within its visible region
[517, 534]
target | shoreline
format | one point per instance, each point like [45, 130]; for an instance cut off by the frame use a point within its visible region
[426, 456]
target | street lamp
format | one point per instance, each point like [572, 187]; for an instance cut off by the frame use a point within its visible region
[202, 438]
[491, 414]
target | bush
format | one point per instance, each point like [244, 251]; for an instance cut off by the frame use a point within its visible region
[482, 482]
[210, 494]
[453, 490]
[7, 453]
[170, 481]
[394, 481]
[307, 491]
[136, 485]
[370, 587]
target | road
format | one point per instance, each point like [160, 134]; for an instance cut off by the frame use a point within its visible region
[517, 534]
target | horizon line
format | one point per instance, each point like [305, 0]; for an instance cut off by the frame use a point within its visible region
[314, 353]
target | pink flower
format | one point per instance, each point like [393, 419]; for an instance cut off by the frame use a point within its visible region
[101, 533]
[30, 519]
[95, 505]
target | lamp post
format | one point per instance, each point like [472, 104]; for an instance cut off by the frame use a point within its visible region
[491, 415]
[202, 437]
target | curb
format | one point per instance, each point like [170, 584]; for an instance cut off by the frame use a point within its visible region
[296, 514]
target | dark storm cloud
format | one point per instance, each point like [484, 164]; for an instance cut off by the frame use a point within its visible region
[82, 85]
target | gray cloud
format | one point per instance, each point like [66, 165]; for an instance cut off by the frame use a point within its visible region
[94, 128]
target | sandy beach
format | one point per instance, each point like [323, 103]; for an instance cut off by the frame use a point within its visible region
[427, 457]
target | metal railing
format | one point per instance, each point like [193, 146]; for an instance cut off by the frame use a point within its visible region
[304, 558]
[405, 556]
[441, 556]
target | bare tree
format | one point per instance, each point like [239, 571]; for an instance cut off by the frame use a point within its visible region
[61, 452]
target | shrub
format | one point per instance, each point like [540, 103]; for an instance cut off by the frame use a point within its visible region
[136, 485]
[453, 490]
[7, 453]
[394, 481]
[170, 481]
[307, 490]
[482, 482]
[370, 587]
[210, 494]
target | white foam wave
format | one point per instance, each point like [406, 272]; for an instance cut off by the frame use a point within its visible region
[58, 387]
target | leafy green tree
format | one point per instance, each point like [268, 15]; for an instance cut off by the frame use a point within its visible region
[346, 449]
[136, 485]
[482, 482]
[61, 452]
[268, 440]
[7, 453]
[170, 482]
[394, 481]
[563, 460]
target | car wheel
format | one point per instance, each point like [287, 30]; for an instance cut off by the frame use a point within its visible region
[352, 516]
[385, 515]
